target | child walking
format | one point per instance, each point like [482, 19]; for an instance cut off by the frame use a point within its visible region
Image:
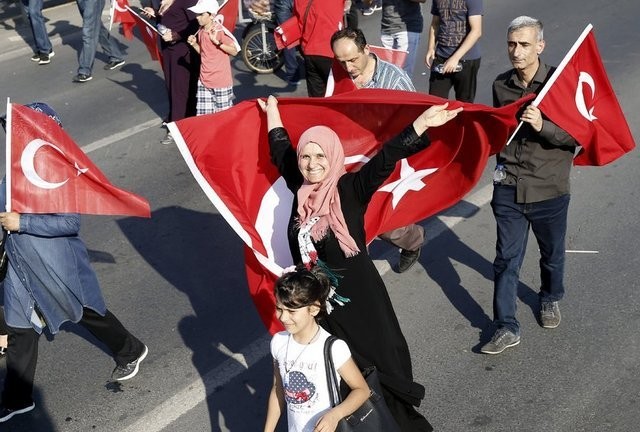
[215, 44]
[299, 375]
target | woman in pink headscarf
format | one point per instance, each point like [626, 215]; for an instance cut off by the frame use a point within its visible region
[327, 226]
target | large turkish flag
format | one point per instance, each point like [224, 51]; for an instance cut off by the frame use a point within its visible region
[228, 154]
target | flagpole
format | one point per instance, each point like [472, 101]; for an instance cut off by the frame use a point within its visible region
[112, 12]
[555, 75]
[8, 159]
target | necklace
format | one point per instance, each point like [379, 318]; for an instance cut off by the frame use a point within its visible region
[286, 354]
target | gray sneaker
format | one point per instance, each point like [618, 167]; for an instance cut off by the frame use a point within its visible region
[501, 340]
[549, 314]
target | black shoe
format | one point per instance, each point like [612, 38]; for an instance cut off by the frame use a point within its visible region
[3, 351]
[6, 413]
[35, 57]
[45, 58]
[80, 78]
[125, 372]
[408, 259]
[113, 64]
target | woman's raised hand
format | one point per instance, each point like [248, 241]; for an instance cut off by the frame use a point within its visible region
[270, 103]
[436, 115]
[270, 106]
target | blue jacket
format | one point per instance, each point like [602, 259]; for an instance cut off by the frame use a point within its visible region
[49, 272]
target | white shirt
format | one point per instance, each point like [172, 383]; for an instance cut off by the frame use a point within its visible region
[305, 384]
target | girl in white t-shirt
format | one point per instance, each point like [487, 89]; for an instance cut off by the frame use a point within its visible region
[299, 376]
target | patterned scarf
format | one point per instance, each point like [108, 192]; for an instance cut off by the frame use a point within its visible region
[321, 199]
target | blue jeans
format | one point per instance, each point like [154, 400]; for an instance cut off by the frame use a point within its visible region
[548, 221]
[283, 10]
[94, 32]
[33, 8]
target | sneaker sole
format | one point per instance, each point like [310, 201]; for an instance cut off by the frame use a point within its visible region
[498, 352]
[550, 326]
[135, 371]
[83, 81]
[16, 412]
[114, 67]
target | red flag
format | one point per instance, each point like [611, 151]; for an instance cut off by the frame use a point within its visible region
[120, 14]
[390, 55]
[229, 10]
[48, 173]
[228, 154]
[579, 98]
[149, 35]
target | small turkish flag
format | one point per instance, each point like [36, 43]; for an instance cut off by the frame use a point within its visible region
[228, 154]
[120, 14]
[149, 35]
[580, 99]
[48, 173]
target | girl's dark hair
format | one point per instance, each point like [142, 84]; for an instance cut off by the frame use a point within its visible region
[303, 287]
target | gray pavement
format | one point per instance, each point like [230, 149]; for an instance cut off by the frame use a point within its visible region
[177, 280]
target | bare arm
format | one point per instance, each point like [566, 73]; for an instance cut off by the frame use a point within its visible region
[431, 50]
[359, 393]
[475, 23]
[276, 402]
[270, 106]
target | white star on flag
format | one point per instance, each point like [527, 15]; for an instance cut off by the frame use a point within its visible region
[410, 179]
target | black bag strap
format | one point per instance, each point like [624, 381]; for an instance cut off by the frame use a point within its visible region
[332, 379]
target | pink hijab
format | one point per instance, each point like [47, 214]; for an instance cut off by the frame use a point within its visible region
[322, 199]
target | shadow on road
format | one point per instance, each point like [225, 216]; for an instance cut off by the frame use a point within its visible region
[201, 256]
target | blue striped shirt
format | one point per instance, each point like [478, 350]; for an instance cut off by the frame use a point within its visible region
[389, 76]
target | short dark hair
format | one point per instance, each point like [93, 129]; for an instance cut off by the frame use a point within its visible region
[355, 35]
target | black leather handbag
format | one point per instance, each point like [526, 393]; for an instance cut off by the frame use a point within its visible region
[373, 415]
[4, 259]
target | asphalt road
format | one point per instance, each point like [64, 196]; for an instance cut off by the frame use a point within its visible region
[177, 280]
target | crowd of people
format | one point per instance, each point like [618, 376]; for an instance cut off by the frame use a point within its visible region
[326, 233]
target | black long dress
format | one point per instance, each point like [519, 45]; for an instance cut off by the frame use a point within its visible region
[367, 322]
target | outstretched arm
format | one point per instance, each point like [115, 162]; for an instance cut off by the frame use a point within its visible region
[436, 115]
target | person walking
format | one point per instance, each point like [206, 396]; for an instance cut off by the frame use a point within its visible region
[326, 226]
[453, 54]
[531, 190]
[299, 376]
[49, 281]
[367, 70]
[93, 33]
[43, 49]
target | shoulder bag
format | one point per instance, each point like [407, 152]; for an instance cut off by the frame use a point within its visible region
[373, 415]
[289, 33]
